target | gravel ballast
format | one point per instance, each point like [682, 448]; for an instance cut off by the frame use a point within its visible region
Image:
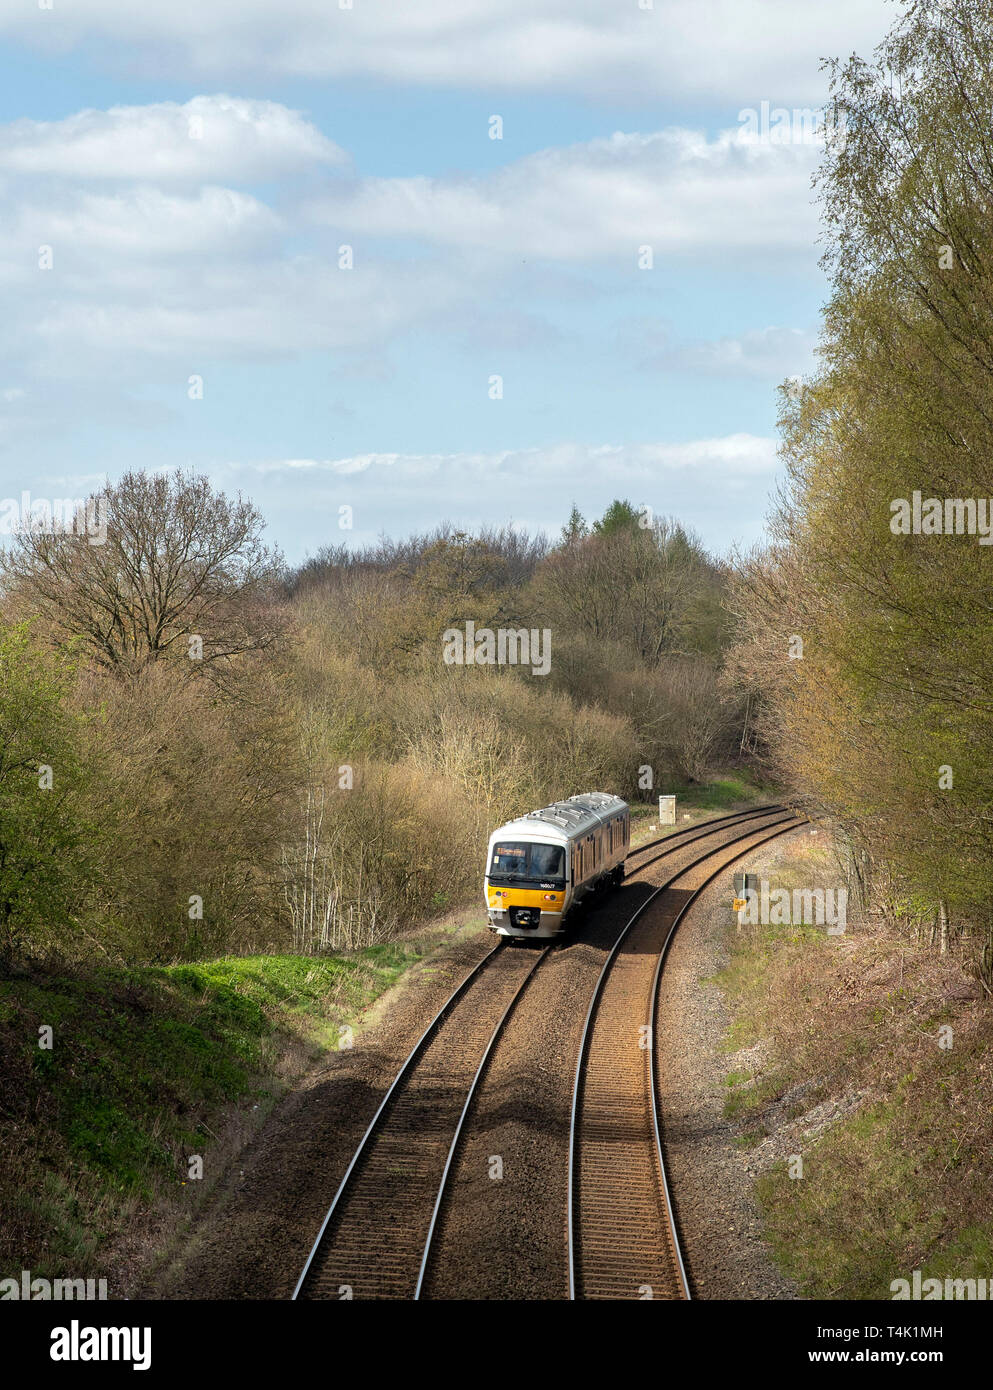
[711, 1176]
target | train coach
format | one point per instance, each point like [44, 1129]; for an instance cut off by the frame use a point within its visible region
[543, 864]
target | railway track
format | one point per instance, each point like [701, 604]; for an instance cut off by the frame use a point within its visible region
[623, 1241]
[377, 1237]
[689, 833]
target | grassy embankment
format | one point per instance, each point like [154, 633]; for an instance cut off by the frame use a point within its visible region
[838, 1059]
[147, 1067]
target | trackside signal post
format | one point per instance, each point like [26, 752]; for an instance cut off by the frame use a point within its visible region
[742, 884]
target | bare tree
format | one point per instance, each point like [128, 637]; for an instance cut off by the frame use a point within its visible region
[182, 572]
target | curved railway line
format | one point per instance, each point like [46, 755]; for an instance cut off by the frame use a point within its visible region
[689, 833]
[621, 1226]
[378, 1236]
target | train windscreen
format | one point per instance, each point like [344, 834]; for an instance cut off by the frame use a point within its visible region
[520, 859]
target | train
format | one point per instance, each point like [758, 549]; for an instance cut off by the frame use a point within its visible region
[542, 865]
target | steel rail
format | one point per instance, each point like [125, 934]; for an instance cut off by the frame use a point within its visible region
[715, 822]
[497, 1031]
[401, 1075]
[571, 1205]
[653, 1055]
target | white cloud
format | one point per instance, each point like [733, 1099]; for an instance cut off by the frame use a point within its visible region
[148, 224]
[674, 190]
[762, 353]
[206, 140]
[734, 455]
[719, 486]
[186, 267]
[735, 50]
[152, 258]
[245, 310]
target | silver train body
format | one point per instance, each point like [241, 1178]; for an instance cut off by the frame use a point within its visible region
[540, 866]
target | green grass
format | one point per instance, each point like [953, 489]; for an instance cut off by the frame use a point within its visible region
[857, 1219]
[735, 1078]
[720, 795]
[142, 1064]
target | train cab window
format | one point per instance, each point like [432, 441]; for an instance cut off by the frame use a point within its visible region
[547, 861]
[522, 860]
[510, 861]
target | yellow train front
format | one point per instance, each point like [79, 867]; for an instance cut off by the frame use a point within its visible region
[541, 865]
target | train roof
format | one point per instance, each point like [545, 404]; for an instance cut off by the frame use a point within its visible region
[575, 816]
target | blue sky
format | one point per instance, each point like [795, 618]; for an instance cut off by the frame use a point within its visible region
[196, 170]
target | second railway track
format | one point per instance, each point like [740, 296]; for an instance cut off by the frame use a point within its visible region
[623, 1239]
[376, 1239]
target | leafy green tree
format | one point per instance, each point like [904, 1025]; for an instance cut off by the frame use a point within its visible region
[575, 528]
[887, 719]
[43, 832]
[619, 517]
